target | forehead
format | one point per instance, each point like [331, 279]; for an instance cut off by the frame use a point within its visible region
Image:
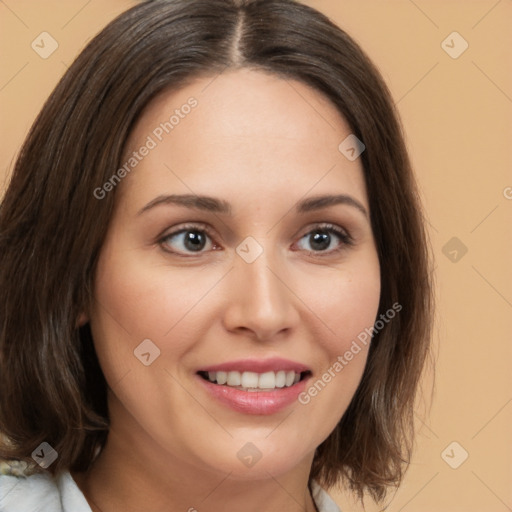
[241, 132]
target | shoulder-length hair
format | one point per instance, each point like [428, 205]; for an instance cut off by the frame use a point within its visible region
[52, 225]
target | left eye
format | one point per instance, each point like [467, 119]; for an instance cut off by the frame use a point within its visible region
[321, 239]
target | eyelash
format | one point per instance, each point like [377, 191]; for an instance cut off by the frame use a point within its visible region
[345, 238]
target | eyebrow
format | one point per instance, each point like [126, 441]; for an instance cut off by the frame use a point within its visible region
[215, 205]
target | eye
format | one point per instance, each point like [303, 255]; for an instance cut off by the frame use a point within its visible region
[191, 239]
[321, 239]
[197, 239]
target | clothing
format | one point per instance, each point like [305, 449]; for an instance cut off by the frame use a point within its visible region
[44, 493]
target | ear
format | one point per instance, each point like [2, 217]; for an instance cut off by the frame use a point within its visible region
[82, 319]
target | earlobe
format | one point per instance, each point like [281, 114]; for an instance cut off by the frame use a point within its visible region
[82, 319]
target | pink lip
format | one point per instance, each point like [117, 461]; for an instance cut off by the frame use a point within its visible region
[274, 364]
[254, 402]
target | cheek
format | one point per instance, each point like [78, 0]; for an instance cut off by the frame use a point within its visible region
[139, 299]
[126, 311]
[346, 301]
[353, 312]
[346, 307]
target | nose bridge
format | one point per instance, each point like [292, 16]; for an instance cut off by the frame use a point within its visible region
[260, 275]
[259, 300]
[256, 269]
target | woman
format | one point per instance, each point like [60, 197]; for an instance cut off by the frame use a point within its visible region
[215, 281]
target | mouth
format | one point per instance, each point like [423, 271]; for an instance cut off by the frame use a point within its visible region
[252, 386]
[254, 381]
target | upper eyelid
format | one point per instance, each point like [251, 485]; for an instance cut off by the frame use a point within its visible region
[200, 226]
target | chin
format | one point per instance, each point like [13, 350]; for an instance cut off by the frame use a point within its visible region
[257, 460]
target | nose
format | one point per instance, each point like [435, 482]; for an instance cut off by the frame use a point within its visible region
[260, 299]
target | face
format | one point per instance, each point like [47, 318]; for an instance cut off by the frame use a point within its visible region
[214, 317]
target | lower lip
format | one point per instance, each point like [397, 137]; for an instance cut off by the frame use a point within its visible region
[255, 402]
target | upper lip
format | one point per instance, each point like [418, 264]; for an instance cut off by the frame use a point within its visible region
[274, 364]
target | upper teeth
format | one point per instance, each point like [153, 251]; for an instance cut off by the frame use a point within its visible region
[253, 380]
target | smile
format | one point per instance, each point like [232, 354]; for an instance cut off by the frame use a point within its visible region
[252, 386]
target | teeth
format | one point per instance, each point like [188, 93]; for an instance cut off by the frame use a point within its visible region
[249, 380]
[280, 379]
[222, 377]
[253, 381]
[234, 379]
[266, 381]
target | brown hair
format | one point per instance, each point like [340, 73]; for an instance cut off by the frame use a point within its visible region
[52, 226]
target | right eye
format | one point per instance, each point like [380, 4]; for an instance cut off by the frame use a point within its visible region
[188, 239]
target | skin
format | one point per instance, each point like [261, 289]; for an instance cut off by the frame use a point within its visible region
[262, 144]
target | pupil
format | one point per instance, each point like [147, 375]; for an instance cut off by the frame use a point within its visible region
[194, 240]
[322, 239]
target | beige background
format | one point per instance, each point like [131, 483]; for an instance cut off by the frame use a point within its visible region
[457, 115]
